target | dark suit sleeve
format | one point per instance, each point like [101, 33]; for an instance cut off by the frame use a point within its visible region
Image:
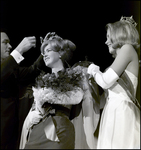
[8, 67]
[27, 73]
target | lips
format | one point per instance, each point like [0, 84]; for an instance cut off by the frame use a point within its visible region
[7, 51]
[46, 58]
[109, 44]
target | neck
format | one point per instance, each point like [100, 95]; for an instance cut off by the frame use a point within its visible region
[55, 70]
[116, 53]
[57, 66]
[2, 59]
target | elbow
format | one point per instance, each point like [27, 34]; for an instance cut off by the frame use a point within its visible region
[105, 85]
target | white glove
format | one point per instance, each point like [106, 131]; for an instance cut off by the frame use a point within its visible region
[106, 79]
[93, 69]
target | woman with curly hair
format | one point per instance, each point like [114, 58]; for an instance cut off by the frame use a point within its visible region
[49, 123]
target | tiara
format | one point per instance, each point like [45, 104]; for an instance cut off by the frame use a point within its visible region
[129, 20]
[50, 36]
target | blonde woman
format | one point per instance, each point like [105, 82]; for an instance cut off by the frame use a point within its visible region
[120, 121]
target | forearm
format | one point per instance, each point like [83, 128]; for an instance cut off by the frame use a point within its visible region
[31, 72]
[106, 79]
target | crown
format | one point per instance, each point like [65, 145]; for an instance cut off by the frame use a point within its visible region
[129, 20]
[50, 36]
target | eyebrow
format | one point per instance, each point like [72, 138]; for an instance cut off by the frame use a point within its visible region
[6, 40]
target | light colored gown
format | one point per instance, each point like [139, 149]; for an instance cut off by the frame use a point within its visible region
[120, 121]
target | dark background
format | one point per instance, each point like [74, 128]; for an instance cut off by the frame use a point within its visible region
[82, 22]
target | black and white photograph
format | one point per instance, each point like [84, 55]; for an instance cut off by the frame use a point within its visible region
[70, 74]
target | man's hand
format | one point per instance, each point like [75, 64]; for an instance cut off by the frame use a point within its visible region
[26, 44]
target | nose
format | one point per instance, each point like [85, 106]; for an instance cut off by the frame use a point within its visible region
[9, 46]
[106, 42]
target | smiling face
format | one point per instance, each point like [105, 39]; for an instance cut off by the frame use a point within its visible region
[109, 43]
[5, 45]
[50, 57]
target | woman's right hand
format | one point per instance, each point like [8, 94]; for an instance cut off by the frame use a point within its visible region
[34, 117]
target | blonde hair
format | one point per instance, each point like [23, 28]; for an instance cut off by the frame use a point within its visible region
[123, 32]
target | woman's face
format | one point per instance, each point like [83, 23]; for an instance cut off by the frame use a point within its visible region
[109, 43]
[50, 57]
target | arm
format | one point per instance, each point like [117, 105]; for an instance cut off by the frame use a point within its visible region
[32, 71]
[9, 65]
[125, 56]
[108, 78]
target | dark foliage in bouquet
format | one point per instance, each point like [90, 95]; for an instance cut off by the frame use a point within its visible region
[65, 81]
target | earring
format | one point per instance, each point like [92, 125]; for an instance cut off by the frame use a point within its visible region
[60, 56]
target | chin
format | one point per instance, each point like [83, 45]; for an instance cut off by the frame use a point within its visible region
[47, 64]
[112, 51]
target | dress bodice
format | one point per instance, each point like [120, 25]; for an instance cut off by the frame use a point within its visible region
[120, 120]
[133, 79]
[117, 90]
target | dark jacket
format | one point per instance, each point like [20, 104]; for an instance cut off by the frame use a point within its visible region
[12, 77]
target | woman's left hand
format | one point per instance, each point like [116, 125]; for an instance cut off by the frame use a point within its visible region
[34, 117]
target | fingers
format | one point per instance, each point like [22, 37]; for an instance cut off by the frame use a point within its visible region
[93, 69]
[90, 68]
[35, 117]
[38, 114]
[31, 40]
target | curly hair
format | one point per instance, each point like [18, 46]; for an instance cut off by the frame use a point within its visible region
[63, 46]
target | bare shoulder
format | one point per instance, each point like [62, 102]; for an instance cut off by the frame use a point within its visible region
[131, 55]
[129, 51]
[126, 59]
[128, 48]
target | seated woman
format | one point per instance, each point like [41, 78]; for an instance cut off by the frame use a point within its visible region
[52, 122]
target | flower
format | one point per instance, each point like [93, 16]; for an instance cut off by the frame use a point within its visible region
[66, 88]
[49, 95]
[65, 81]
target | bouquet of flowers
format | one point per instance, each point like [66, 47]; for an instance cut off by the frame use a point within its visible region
[65, 89]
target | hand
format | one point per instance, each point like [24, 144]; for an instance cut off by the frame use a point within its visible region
[34, 117]
[26, 44]
[92, 69]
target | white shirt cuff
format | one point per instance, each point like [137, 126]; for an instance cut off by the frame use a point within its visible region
[17, 56]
